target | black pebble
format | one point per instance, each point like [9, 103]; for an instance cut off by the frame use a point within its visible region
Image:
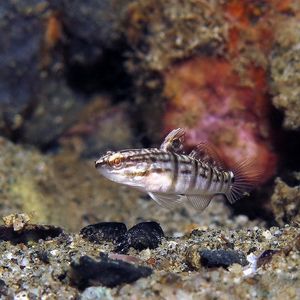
[104, 231]
[107, 272]
[3, 288]
[141, 236]
[222, 258]
[30, 232]
[43, 256]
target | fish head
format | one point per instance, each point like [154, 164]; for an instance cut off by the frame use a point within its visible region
[123, 167]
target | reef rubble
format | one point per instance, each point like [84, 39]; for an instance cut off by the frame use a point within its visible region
[205, 263]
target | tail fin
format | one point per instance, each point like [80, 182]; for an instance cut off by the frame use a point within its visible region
[245, 178]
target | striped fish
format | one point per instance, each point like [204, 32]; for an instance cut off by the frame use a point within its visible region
[173, 178]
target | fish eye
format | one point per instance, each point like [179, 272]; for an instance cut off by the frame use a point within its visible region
[116, 160]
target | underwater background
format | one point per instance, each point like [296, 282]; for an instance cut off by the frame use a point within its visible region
[79, 78]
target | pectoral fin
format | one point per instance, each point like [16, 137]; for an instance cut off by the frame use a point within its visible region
[199, 202]
[168, 200]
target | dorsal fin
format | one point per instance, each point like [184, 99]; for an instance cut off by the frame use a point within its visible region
[206, 152]
[174, 141]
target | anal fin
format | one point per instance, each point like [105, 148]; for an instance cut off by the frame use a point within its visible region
[168, 200]
[199, 202]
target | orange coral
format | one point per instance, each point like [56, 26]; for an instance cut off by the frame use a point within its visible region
[207, 97]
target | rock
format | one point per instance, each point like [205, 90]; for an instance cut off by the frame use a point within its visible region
[21, 26]
[43, 256]
[141, 236]
[285, 202]
[17, 221]
[37, 104]
[221, 258]
[29, 233]
[104, 231]
[106, 272]
[92, 26]
[160, 34]
[285, 70]
[3, 288]
[95, 46]
[95, 131]
[96, 293]
[56, 109]
[50, 53]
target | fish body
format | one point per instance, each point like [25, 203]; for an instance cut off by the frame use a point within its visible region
[172, 177]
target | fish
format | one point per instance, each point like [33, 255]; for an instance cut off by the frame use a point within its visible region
[172, 177]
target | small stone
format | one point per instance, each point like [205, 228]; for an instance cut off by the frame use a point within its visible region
[3, 288]
[172, 245]
[252, 266]
[54, 252]
[17, 221]
[96, 293]
[297, 243]
[21, 296]
[278, 233]
[178, 234]
[141, 236]
[221, 258]
[266, 257]
[241, 219]
[104, 231]
[43, 256]
[145, 254]
[107, 272]
[236, 268]
[193, 257]
[267, 234]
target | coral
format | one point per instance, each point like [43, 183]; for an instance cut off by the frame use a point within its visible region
[207, 97]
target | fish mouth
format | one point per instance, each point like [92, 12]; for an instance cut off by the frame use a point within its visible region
[101, 162]
[98, 164]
